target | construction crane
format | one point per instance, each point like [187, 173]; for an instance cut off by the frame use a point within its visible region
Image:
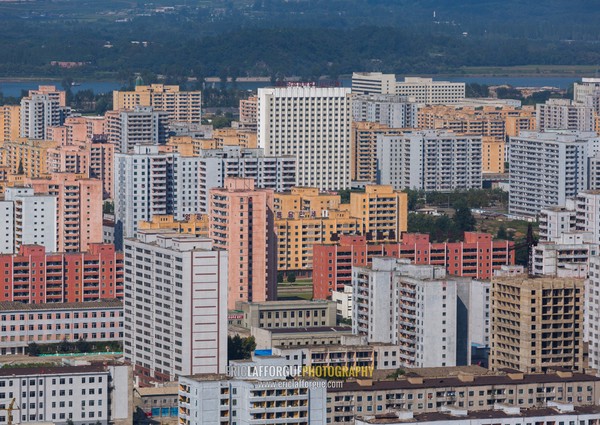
[9, 409]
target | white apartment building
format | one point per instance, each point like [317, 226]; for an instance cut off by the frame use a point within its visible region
[555, 221]
[30, 220]
[411, 306]
[546, 168]
[149, 183]
[373, 83]
[38, 112]
[430, 160]
[564, 114]
[592, 313]
[313, 125]
[86, 395]
[587, 87]
[343, 302]
[142, 125]
[427, 91]
[50, 323]
[390, 110]
[566, 255]
[175, 306]
[266, 399]
[268, 172]
[472, 317]
[587, 213]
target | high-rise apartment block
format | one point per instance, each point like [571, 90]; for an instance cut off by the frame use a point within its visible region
[564, 114]
[546, 168]
[477, 257]
[268, 172]
[373, 83]
[390, 110]
[10, 119]
[33, 276]
[140, 126]
[102, 165]
[149, 183]
[312, 124]
[587, 87]
[410, 306]
[555, 221]
[30, 219]
[41, 109]
[181, 106]
[382, 211]
[363, 152]
[249, 113]
[430, 160]
[242, 222]
[175, 312]
[537, 323]
[79, 209]
[592, 313]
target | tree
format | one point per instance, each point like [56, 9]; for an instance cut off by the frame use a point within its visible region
[279, 277]
[65, 346]
[239, 348]
[108, 207]
[83, 346]
[502, 233]
[20, 171]
[33, 349]
[291, 278]
[464, 219]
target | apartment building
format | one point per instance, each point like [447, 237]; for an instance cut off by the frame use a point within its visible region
[455, 388]
[235, 137]
[241, 221]
[286, 314]
[564, 114]
[182, 106]
[30, 219]
[537, 323]
[363, 152]
[249, 113]
[27, 156]
[102, 165]
[83, 394]
[309, 335]
[592, 313]
[32, 276]
[555, 221]
[463, 120]
[50, 323]
[10, 122]
[192, 224]
[42, 108]
[223, 399]
[477, 256]
[587, 213]
[150, 183]
[430, 160]
[566, 255]
[389, 110]
[268, 172]
[390, 295]
[141, 125]
[312, 124]
[175, 309]
[546, 169]
[78, 206]
[382, 211]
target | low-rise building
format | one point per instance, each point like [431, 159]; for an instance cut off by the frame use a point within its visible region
[567, 255]
[343, 300]
[287, 314]
[308, 335]
[50, 323]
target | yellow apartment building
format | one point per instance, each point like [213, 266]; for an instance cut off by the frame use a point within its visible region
[492, 155]
[382, 210]
[193, 224]
[31, 154]
[10, 122]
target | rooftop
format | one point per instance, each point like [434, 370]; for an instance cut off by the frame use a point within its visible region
[17, 306]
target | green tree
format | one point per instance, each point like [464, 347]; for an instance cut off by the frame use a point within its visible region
[279, 277]
[239, 348]
[65, 346]
[464, 219]
[108, 207]
[291, 277]
[20, 170]
[82, 346]
[33, 349]
[502, 233]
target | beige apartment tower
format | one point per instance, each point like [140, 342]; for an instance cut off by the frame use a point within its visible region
[537, 323]
[241, 222]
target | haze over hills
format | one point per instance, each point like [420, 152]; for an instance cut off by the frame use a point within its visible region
[303, 37]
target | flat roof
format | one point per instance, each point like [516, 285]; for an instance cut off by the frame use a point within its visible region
[17, 306]
[50, 370]
[454, 381]
[314, 329]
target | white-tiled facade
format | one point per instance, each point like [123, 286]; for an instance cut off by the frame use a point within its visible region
[38, 112]
[432, 160]
[390, 110]
[411, 306]
[313, 125]
[546, 169]
[427, 91]
[175, 306]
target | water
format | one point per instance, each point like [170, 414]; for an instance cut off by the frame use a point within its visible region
[14, 88]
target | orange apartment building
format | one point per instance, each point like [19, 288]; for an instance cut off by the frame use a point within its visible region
[79, 209]
[34, 277]
[241, 222]
[477, 256]
[10, 122]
